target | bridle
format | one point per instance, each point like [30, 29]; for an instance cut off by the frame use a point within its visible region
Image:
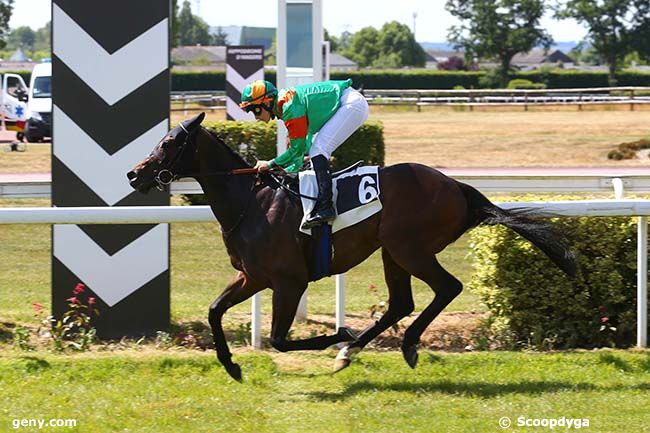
[165, 176]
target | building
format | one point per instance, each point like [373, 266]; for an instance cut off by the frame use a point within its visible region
[212, 56]
[538, 57]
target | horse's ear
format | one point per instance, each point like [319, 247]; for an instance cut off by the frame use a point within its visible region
[194, 122]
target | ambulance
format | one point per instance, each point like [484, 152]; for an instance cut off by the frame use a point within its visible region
[39, 104]
[13, 103]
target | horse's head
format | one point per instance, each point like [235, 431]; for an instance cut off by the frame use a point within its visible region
[170, 159]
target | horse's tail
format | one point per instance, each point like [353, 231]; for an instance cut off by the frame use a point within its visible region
[541, 234]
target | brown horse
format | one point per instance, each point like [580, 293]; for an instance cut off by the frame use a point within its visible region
[423, 212]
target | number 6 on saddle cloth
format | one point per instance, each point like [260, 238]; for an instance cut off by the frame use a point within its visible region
[356, 197]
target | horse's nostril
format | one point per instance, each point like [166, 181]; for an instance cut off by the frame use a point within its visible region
[131, 175]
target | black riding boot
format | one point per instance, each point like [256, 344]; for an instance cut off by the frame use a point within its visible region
[323, 211]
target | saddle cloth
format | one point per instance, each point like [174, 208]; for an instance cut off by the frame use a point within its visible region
[355, 193]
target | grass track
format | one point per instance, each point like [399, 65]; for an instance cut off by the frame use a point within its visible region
[161, 392]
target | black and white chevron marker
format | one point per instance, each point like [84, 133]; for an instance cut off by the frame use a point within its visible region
[110, 74]
[244, 64]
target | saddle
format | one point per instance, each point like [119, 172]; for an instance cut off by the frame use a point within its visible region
[355, 196]
[290, 182]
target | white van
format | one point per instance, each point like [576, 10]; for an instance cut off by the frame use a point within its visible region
[13, 99]
[39, 103]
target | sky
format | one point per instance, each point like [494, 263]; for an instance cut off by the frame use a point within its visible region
[431, 25]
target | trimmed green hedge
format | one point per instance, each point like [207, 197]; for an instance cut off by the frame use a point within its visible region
[257, 140]
[426, 79]
[533, 304]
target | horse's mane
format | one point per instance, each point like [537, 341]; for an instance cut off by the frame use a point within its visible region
[232, 152]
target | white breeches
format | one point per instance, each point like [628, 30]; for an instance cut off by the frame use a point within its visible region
[347, 119]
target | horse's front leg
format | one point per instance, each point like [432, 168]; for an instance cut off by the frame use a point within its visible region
[238, 290]
[286, 297]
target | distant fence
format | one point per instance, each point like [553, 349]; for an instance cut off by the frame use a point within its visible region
[631, 96]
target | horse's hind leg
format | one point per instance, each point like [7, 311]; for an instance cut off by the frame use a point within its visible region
[445, 286]
[286, 297]
[400, 304]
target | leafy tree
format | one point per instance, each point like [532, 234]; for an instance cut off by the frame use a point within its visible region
[498, 29]
[174, 14]
[221, 38]
[192, 30]
[333, 40]
[364, 46]
[344, 41]
[22, 37]
[6, 8]
[43, 39]
[391, 47]
[616, 27]
[396, 41]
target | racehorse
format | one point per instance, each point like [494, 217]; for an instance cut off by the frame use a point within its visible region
[423, 212]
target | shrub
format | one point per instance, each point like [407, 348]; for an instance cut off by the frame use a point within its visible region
[628, 150]
[533, 303]
[257, 140]
[519, 83]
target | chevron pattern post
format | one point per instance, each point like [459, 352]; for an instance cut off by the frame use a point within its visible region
[244, 64]
[111, 81]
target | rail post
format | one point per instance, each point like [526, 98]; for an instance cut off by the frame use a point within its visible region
[642, 282]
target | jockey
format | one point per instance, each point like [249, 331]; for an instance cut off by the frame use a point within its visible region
[319, 117]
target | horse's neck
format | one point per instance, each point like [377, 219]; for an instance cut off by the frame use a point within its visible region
[228, 195]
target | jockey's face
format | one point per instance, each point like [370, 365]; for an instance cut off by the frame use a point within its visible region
[262, 115]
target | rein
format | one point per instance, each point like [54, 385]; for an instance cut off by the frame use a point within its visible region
[166, 176]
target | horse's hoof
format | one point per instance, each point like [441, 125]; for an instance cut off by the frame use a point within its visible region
[234, 370]
[410, 355]
[346, 334]
[344, 357]
[340, 364]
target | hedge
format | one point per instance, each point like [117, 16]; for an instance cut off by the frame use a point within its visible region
[427, 79]
[417, 79]
[257, 140]
[533, 304]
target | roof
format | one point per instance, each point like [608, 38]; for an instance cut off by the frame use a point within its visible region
[187, 54]
[337, 60]
[537, 56]
[441, 56]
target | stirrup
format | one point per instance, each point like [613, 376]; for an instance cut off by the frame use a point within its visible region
[316, 220]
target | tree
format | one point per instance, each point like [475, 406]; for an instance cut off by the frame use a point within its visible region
[497, 29]
[333, 40]
[174, 13]
[396, 41]
[43, 39]
[22, 37]
[192, 30]
[616, 27]
[364, 46]
[6, 8]
[221, 38]
[391, 47]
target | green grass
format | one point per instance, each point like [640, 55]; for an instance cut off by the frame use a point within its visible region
[180, 392]
[200, 269]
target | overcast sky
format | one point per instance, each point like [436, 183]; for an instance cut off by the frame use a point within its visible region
[338, 15]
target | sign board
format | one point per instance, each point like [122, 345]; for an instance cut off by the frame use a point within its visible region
[110, 108]
[244, 64]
